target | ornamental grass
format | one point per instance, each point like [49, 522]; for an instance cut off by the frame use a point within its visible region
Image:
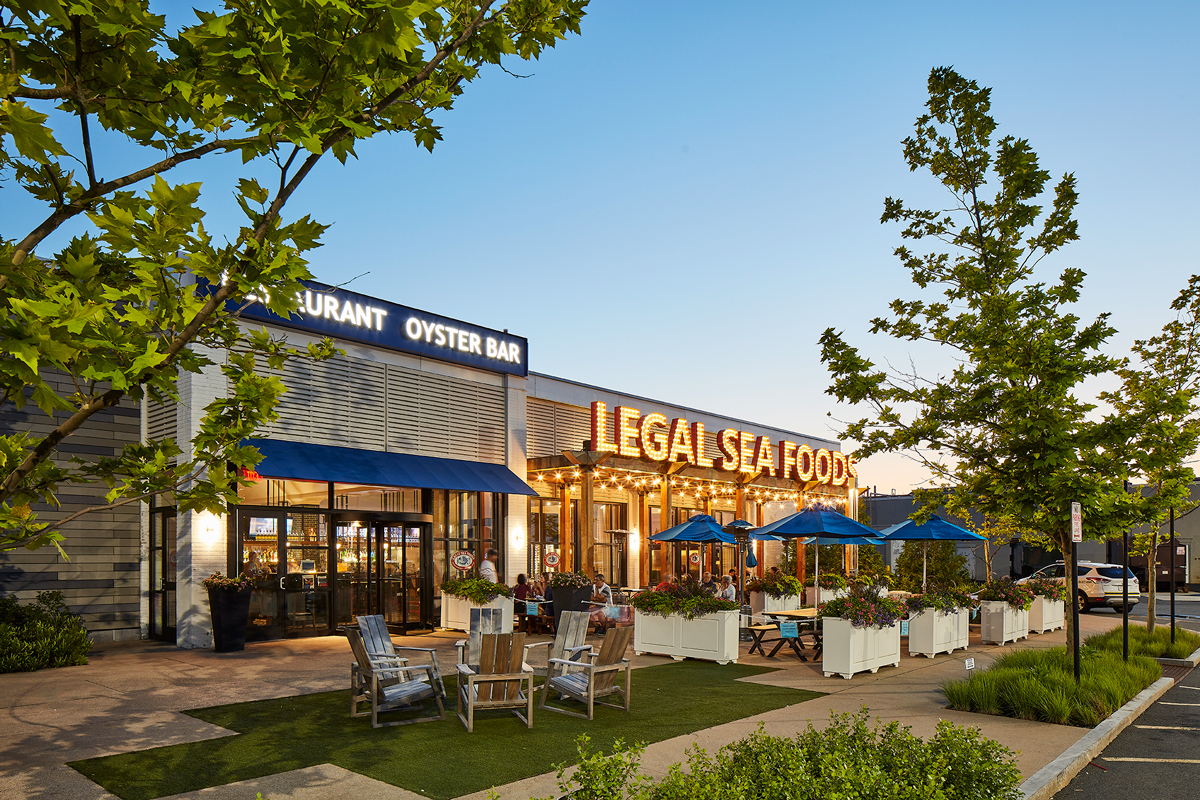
[1156, 644]
[1040, 685]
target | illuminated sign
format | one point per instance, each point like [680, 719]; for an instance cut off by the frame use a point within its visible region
[655, 438]
[340, 314]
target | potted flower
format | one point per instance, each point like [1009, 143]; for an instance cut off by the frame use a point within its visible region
[229, 608]
[1004, 611]
[939, 621]
[775, 592]
[830, 585]
[460, 595]
[685, 621]
[860, 631]
[569, 591]
[1049, 608]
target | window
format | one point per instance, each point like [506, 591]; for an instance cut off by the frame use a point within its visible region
[544, 526]
[606, 550]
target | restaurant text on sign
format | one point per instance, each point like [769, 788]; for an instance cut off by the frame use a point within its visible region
[655, 438]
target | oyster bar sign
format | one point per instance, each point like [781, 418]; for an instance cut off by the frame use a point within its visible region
[340, 314]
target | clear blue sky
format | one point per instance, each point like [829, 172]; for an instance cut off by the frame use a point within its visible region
[679, 201]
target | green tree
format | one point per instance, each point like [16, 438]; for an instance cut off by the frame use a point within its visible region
[935, 562]
[281, 83]
[870, 562]
[1003, 428]
[1153, 426]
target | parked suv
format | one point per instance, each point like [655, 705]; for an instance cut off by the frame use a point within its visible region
[1099, 584]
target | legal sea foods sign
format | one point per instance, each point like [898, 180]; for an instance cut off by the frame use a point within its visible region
[342, 314]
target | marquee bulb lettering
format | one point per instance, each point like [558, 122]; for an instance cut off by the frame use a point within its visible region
[655, 438]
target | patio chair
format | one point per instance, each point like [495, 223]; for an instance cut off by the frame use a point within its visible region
[501, 681]
[378, 641]
[595, 678]
[569, 640]
[389, 685]
[483, 621]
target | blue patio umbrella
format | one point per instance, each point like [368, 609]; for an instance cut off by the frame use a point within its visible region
[824, 523]
[751, 561]
[703, 528]
[934, 529]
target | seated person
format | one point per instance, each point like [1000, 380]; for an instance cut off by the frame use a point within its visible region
[709, 585]
[524, 590]
[727, 591]
[666, 582]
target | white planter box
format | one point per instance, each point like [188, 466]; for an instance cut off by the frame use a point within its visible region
[761, 602]
[810, 595]
[712, 637]
[1000, 623]
[1047, 615]
[847, 649]
[456, 612]
[931, 632]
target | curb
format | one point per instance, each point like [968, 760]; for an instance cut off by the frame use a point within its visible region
[1044, 783]
[1189, 662]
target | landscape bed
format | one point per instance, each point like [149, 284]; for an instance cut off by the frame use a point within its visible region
[1040, 685]
[1142, 643]
[294, 732]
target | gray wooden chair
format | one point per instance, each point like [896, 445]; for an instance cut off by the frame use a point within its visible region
[595, 678]
[483, 621]
[389, 685]
[378, 642]
[569, 639]
[501, 681]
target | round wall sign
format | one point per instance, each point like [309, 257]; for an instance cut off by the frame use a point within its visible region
[694, 558]
[463, 560]
[552, 559]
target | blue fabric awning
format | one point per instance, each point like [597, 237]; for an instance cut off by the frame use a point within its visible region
[319, 462]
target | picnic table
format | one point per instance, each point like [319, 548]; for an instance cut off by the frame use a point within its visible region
[806, 624]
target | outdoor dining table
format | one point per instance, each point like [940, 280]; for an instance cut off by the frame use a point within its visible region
[806, 621]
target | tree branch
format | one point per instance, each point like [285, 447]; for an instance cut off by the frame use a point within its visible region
[79, 95]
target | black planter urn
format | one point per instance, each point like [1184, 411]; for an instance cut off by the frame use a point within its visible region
[567, 599]
[230, 612]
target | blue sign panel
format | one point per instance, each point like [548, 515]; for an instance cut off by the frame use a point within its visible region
[789, 630]
[341, 314]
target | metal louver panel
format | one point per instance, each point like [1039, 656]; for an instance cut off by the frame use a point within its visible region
[161, 422]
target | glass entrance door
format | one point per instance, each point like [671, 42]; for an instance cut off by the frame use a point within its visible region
[382, 569]
[162, 574]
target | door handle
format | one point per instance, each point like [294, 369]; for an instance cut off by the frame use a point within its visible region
[281, 586]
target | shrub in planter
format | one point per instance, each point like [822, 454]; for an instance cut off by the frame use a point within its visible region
[686, 599]
[946, 599]
[862, 607]
[1051, 590]
[848, 758]
[478, 590]
[776, 585]
[1017, 595]
[569, 580]
[229, 606]
[41, 635]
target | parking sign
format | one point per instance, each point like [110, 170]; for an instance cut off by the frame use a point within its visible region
[1076, 522]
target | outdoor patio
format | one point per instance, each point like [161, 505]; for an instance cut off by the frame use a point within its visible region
[130, 698]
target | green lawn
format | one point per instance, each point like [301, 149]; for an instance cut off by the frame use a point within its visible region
[436, 759]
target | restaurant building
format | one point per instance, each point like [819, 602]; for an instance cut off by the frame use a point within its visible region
[429, 438]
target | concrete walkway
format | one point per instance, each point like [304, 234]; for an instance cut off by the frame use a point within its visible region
[130, 695]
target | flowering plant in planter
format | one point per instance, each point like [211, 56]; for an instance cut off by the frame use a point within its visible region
[569, 580]
[477, 590]
[863, 610]
[946, 599]
[1051, 590]
[776, 584]
[1015, 594]
[831, 581]
[229, 583]
[688, 600]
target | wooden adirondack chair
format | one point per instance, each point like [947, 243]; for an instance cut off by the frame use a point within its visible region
[568, 641]
[500, 681]
[389, 685]
[378, 642]
[483, 621]
[595, 678]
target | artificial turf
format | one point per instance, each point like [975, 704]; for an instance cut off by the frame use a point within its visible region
[435, 759]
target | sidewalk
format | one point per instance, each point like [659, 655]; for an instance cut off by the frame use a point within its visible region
[129, 697]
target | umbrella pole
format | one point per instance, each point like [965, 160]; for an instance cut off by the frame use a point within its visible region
[817, 572]
[924, 566]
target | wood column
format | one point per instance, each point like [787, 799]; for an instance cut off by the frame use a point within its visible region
[587, 519]
[643, 510]
[801, 550]
[565, 543]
